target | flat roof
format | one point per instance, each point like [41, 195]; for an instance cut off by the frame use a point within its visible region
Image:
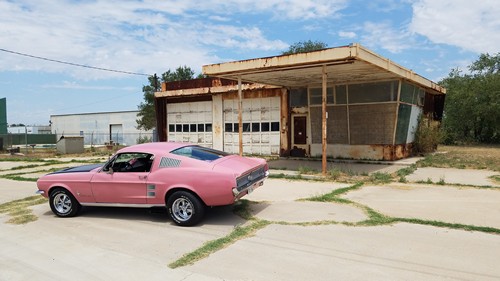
[94, 113]
[345, 64]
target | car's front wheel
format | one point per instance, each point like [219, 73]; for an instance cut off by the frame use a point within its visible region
[185, 208]
[63, 203]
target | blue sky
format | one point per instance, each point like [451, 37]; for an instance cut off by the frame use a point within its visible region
[429, 36]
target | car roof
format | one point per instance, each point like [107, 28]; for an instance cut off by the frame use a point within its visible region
[154, 147]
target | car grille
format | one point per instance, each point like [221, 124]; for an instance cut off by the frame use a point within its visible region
[250, 178]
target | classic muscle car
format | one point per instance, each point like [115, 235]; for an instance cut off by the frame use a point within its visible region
[182, 177]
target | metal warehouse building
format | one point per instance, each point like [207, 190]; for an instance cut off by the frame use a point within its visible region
[100, 128]
[343, 102]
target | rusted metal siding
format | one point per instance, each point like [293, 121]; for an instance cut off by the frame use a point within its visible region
[396, 152]
[211, 86]
[197, 83]
[434, 106]
[380, 152]
[161, 118]
[285, 134]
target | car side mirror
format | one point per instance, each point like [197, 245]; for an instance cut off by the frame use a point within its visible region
[110, 171]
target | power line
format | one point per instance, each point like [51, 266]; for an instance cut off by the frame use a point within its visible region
[73, 64]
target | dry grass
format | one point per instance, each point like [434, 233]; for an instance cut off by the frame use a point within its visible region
[43, 153]
[464, 157]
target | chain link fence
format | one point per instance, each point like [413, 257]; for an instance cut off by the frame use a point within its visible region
[90, 139]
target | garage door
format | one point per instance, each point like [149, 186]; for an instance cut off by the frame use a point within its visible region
[190, 122]
[261, 126]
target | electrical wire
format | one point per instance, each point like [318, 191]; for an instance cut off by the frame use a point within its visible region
[74, 64]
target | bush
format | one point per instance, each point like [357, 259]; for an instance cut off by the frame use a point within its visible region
[427, 136]
[143, 139]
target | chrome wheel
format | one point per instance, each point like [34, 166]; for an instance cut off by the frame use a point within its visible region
[62, 203]
[182, 209]
[185, 208]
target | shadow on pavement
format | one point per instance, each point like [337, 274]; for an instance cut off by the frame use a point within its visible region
[222, 215]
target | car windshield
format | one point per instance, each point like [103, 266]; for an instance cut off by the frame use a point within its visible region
[200, 153]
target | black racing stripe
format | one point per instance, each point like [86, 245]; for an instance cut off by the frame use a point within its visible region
[79, 169]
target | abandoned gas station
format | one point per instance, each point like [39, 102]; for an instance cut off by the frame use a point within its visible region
[343, 102]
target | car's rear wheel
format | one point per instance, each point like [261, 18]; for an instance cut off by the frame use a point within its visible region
[63, 203]
[185, 208]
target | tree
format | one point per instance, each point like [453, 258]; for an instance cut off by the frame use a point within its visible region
[472, 108]
[146, 116]
[304, 47]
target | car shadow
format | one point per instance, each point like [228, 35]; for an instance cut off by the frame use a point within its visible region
[258, 207]
[221, 215]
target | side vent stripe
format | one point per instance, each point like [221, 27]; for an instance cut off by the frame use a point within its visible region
[169, 162]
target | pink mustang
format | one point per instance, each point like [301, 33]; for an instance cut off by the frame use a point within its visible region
[183, 177]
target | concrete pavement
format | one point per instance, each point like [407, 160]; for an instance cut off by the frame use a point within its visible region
[463, 205]
[454, 176]
[347, 166]
[134, 244]
[337, 252]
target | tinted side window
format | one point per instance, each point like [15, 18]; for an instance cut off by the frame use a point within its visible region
[200, 153]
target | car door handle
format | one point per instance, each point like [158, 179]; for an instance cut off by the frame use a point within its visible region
[143, 177]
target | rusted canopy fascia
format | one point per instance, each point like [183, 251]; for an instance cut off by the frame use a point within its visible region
[259, 69]
[212, 90]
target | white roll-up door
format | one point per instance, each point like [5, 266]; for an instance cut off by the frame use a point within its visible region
[190, 122]
[261, 126]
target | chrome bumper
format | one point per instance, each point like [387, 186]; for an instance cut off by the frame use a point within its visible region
[248, 189]
[41, 192]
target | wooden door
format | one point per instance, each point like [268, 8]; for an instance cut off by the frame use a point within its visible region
[299, 130]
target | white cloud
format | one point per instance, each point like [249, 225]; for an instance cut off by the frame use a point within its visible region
[281, 9]
[77, 86]
[384, 35]
[137, 36]
[347, 34]
[470, 25]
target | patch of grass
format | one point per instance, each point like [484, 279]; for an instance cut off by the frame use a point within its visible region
[25, 167]
[333, 196]
[496, 178]
[464, 157]
[351, 173]
[428, 181]
[335, 173]
[406, 171]
[17, 177]
[242, 209]
[441, 181]
[449, 225]
[213, 246]
[19, 211]
[380, 178]
[306, 170]
[288, 177]
[374, 217]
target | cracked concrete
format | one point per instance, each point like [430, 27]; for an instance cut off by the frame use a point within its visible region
[135, 244]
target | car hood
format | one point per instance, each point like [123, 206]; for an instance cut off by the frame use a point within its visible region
[78, 169]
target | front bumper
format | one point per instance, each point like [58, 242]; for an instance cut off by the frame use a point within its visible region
[41, 192]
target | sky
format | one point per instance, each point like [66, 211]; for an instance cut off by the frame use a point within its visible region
[431, 37]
